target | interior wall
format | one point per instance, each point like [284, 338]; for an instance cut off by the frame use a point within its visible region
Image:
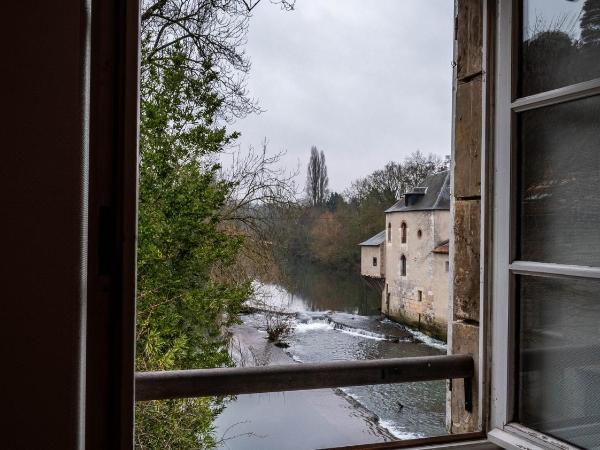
[43, 181]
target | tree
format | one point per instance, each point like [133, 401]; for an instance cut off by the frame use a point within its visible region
[192, 77]
[182, 303]
[204, 30]
[327, 233]
[334, 201]
[325, 238]
[317, 181]
[386, 185]
[590, 22]
[262, 192]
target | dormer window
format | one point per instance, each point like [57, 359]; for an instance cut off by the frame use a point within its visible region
[403, 232]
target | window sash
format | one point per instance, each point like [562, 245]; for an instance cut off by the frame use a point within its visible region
[505, 266]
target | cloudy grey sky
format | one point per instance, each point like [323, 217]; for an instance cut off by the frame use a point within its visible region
[366, 81]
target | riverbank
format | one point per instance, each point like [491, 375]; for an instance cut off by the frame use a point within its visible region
[329, 417]
[290, 420]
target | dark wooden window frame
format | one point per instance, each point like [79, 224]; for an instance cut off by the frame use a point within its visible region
[111, 380]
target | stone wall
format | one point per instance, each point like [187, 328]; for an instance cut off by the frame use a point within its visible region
[419, 299]
[466, 205]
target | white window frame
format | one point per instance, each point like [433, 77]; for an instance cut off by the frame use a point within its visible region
[503, 250]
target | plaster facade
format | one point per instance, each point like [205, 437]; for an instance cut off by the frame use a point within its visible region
[414, 252]
[419, 297]
[372, 261]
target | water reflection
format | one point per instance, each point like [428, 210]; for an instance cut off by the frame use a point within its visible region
[323, 290]
[336, 318]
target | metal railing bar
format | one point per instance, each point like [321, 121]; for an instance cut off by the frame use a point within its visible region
[294, 377]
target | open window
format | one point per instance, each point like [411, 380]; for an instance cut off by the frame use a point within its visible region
[524, 360]
[546, 240]
[226, 243]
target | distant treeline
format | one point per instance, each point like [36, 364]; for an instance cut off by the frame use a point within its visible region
[327, 227]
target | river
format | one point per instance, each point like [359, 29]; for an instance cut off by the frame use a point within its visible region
[335, 317]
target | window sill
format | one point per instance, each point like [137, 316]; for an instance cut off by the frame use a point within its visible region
[467, 441]
[517, 437]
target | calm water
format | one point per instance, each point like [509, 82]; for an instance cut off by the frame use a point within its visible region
[334, 319]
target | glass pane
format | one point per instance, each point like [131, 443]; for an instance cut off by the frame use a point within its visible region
[559, 372]
[560, 44]
[560, 183]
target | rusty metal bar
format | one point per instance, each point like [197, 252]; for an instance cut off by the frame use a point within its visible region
[295, 377]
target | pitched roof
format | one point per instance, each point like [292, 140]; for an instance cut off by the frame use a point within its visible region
[442, 247]
[434, 194]
[374, 241]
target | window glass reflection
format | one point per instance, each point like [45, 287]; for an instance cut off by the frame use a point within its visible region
[559, 364]
[560, 44]
[560, 183]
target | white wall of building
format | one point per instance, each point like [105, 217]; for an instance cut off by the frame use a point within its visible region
[421, 297]
[366, 261]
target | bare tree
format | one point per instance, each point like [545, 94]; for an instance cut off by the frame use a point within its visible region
[258, 181]
[317, 181]
[204, 31]
[388, 184]
[261, 193]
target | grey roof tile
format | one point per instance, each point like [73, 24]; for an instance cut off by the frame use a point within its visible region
[434, 194]
[374, 241]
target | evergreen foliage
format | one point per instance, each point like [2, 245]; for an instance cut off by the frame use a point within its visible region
[183, 305]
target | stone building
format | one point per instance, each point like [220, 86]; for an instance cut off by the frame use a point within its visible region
[411, 257]
[372, 256]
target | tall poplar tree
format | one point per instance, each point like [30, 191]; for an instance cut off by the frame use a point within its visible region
[317, 181]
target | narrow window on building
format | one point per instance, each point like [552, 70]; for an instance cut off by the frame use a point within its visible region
[389, 232]
[403, 232]
[374, 261]
[419, 234]
[447, 266]
[403, 265]
[420, 295]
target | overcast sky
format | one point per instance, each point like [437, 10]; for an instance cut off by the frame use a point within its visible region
[366, 81]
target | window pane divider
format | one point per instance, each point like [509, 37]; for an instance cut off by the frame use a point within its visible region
[556, 96]
[548, 269]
